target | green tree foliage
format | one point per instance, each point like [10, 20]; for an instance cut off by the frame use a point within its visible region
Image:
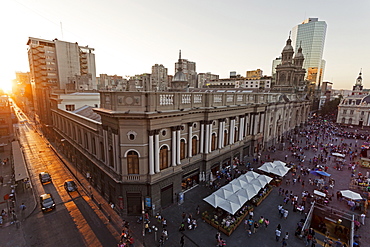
[331, 107]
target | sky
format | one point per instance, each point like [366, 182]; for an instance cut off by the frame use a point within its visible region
[129, 37]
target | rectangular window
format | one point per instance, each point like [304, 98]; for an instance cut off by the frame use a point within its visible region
[351, 112]
[362, 113]
[70, 107]
[344, 111]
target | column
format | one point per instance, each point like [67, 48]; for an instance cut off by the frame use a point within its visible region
[223, 133]
[232, 130]
[178, 129]
[246, 122]
[256, 122]
[210, 137]
[190, 140]
[156, 152]
[206, 139]
[251, 128]
[220, 133]
[201, 141]
[173, 146]
[241, 128]
[262, 129]
[151, 153]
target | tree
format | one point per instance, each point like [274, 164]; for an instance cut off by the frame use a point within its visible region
[330, 108]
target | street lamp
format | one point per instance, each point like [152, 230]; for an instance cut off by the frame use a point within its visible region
[155, 233]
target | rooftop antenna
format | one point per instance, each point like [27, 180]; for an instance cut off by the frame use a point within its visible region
[61, 30]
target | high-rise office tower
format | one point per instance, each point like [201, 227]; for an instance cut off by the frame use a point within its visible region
[310, 35]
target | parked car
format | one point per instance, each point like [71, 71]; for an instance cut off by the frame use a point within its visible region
[47, 202]
[44, 177]
[70, 185]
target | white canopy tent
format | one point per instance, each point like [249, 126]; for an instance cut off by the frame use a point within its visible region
[234, 195]
[351, 195]
[276, 168]
[229, 206]
[214, 200]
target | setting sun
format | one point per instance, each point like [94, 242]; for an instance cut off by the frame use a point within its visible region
[6, 84]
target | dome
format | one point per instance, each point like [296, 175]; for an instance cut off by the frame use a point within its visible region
[299, 54]
[288, 46]
[179, 76]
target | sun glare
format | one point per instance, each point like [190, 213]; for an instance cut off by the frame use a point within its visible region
[6, 85]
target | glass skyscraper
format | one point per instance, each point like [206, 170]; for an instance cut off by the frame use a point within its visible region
[310, 35]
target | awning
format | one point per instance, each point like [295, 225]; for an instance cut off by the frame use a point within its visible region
[319, 193]
[20, 170]
[338, 155]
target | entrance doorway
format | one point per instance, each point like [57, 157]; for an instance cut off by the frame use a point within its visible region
[167, 196]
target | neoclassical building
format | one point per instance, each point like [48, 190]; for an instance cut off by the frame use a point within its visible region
[145, 146]
[156, 145]
[355, 108]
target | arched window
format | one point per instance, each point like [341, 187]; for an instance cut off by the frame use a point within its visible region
[236, 135]
[163, 158]
[350, 121]
[182, 149]
[213, 142]
[226, 141]
[194, 146]
[343, 120]
[132, 162]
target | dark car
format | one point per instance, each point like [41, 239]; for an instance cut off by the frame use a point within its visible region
[70, 185]
[47, 202]
[44, 177]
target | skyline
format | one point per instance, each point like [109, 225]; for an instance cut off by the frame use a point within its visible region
[130, 37]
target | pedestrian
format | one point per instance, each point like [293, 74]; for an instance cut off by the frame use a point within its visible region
[218, 236]
[261, 220]
[314, 242]
[255, 227]
[277, 235]
[286, 212]
[182, 227]
[286, 236]
[278, 227]
[249, 233]
[23, 207]
[250, 223]
[267, 222]
[182, 241]
[363, 216]
[197, 209]
[164, 223]
[1, 179]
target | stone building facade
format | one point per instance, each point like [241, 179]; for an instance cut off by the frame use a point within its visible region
[355, 108]
[153, 146]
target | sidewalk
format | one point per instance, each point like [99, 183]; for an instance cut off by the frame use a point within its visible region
[22, 195]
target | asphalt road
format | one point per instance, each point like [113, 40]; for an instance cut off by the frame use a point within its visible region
[73, 222]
